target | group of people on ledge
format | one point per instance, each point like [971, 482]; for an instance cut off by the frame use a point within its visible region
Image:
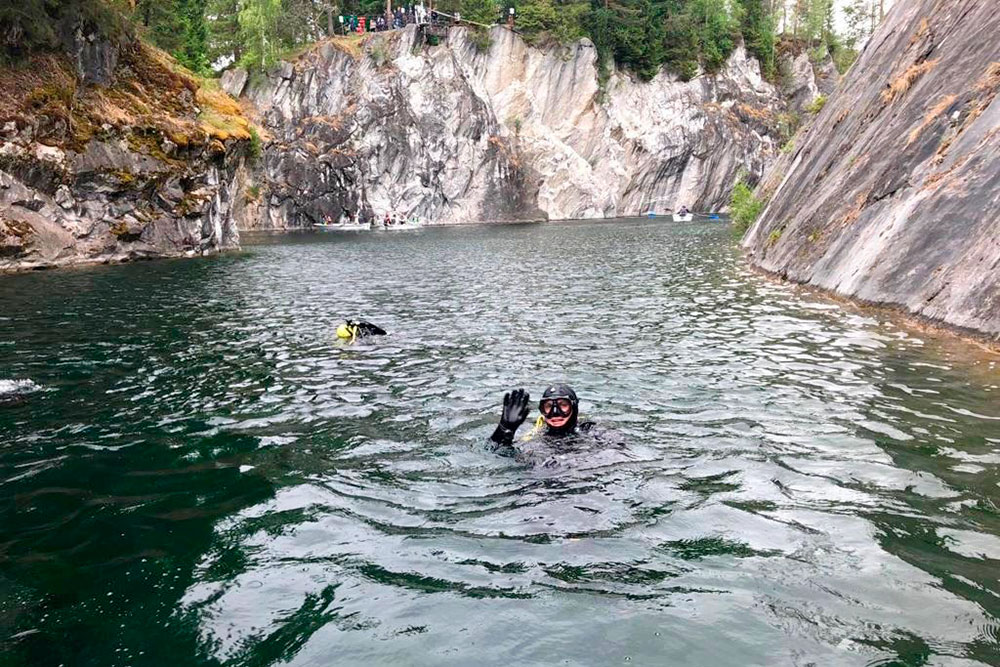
[400, 18]
[403, 16]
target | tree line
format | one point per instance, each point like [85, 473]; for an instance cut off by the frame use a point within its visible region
[683, 36]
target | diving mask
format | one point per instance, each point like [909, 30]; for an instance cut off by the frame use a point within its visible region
[555, 407]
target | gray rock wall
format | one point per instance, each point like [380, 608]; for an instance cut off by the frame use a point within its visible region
[112, 204]
[451, 135]
[802, 81]
[891, 196]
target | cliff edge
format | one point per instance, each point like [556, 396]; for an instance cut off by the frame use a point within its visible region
[109, 151]
[459, 133]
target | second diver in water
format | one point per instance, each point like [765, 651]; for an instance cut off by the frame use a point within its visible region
[558, 424]
[352, 331]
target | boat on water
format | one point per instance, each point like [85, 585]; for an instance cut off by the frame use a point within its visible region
[395, 228]
[676, 217]
[683, 214]
[346, 227]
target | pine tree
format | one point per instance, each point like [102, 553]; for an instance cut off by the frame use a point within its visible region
[259, 32]
[859, 15]
[815, 19]
[193, 53]
[225, 43]
[758, 33]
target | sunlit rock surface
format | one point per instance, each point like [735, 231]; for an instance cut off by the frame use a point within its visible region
[891, 196]
[450, 134]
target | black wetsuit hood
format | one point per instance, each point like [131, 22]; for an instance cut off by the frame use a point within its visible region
[562, 391]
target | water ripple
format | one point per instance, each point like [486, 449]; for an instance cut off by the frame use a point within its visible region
[801, 482]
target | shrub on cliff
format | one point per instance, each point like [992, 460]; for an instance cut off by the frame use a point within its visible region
[480, 38]
[744, 207]
[816, 105]
[538, 19]
[256, 146]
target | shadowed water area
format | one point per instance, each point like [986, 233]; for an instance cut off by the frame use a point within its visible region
[205, 476]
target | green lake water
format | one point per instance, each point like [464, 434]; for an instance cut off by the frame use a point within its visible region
[203, 475]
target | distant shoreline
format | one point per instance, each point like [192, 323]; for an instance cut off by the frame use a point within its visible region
[664, 218]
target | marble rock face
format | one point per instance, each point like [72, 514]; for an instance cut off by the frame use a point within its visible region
[453, 134]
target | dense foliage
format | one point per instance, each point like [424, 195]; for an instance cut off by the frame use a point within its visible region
[744, 207]
[684, 36]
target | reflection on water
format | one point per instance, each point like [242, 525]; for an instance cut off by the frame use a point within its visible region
[208, 477]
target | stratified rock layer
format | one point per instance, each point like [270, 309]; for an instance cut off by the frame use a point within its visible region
[449, 134]
[802, 81]
[892, 194]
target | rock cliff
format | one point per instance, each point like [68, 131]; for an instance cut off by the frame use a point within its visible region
[109, 152]
[802, 80]
[891, 195]
[451, 134]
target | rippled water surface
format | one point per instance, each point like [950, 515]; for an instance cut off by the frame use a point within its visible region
[203, 475]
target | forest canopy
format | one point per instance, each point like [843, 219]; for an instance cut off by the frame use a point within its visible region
[684, 36]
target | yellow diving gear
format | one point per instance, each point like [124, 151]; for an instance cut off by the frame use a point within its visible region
[352, 330]
[344, 331]
[539, 423]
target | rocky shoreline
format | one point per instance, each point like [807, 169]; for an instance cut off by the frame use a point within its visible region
[111, 152]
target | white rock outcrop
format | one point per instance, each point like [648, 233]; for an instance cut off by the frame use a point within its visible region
[451, 134]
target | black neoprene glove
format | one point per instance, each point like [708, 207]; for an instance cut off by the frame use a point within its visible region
[515, 411]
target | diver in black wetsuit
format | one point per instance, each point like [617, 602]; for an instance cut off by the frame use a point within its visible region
[560, 410]
[351, 330]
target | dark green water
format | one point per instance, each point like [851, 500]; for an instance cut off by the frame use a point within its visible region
[206, 477]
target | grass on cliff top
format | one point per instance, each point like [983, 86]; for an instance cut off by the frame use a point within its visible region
[352, 45]
[151, 95]
[220, 116]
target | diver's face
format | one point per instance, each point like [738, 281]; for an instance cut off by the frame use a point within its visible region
[556, 412]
